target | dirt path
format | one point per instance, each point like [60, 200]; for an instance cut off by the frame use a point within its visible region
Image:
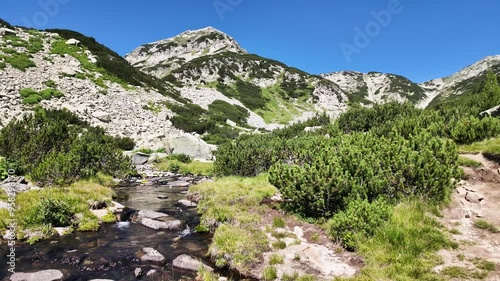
[477, 198]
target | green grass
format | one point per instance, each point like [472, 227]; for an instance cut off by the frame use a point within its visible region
[205, 275]
[238, 246]
[232, 199]
[491, 146]
[484, 264]
[456, 272]
[109, 218]
[482, 224]
[464, 273]
[278, 109]
[278, 222]
[276, 259]
[30, 212]
[404, 248]
[270, 273]
[279, 245]
[230, 206]
[60, 47]
[194, 168]
[466, 162]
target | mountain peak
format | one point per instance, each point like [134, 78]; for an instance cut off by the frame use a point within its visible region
[161, 57]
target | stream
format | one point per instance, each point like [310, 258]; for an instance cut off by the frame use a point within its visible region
[114, 251]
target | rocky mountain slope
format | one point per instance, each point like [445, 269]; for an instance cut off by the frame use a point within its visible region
[198, 85]
[375, 87]
[208, 65]
[163, 56]
[34, 64]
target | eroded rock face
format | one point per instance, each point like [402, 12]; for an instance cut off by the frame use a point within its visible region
[44, 275]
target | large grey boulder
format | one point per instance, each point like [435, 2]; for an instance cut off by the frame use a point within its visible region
[140, 158]
[189, 145]
[149, 214]
[189, 263]
[44, 275]
[165, 225]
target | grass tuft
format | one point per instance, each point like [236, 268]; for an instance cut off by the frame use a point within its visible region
[482, 224]
[276, 259]
[270, 273]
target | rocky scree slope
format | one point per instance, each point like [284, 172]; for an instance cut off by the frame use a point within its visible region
[88, 86]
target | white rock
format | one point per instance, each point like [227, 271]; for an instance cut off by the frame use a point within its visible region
[44, 275]
[73, 41]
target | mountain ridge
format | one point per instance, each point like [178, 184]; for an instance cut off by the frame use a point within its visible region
[214, 95]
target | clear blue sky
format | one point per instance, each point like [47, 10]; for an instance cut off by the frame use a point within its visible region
[424, 39]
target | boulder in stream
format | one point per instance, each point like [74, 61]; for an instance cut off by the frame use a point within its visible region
[157, 225]
[152, 255]
[189, 263]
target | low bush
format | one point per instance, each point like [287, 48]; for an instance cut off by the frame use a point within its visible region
[248, 156]
[181, 158]
[360, 219]
[53, 211]
[26, 92]
[55, 147]
[20, 61]
[320, 176]
[50, 84]
[33, 99]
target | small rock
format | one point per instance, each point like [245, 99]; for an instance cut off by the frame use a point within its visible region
[187, 203]
[189, 263]
[138, 272]
[44, 275]
[104, 117]
[162, 197]
[151, 273]
[473, 197]
[99, 213]
[61, 230]
[152, 255]
[179, 184]
[4, 205]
